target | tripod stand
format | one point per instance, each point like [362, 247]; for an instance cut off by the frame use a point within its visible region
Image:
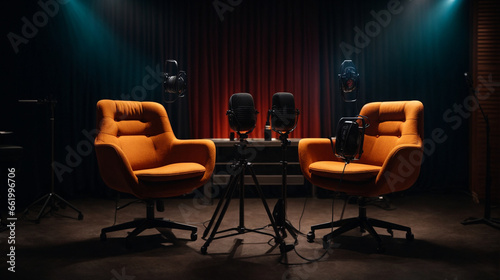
[51, 198]
[280, 208]
[236, 181]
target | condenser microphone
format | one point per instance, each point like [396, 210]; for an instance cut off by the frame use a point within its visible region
[283, 113]
[242, 115]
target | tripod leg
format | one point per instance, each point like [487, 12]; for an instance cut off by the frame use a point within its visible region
[35, 203]
[495, 223]
[279, 240]
[80, 214]
[291, 229]
[41, 213]
[219, 205]
[230, 191]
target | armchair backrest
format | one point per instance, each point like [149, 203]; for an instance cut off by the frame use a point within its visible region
[391, 124]
[141, 130]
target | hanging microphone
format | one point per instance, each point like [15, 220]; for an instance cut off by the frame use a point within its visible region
[283, 113]
[242, 115]
[350, 130]
[349, 81]
[174, 81]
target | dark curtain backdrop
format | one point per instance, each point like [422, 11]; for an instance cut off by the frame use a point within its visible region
[90, 50]
[261, 47]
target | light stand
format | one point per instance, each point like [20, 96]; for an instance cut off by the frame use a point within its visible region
[486, 219]
[51, 198]
[236, 181]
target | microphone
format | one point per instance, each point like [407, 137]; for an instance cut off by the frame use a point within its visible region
[349, 80]
[174, 81]
[242, 115]
[283, 113]
[350, 130]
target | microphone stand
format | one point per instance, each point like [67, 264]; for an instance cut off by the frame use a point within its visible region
[281, 204]
[487, 195]
[50, 198]
[280, 208]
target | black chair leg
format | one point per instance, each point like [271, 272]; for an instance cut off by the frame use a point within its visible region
[364, 223]
[139, 225]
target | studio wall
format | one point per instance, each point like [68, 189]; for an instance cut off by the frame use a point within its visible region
[84, 51]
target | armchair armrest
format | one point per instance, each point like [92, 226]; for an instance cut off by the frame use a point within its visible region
[201, 151]
[401, 168]
[315, 149]
[118, 173]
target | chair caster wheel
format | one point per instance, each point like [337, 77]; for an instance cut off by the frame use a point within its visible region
[203, 250]
[80, 216]
[103, 236]
[310, 237]
[194, 236]
[410, 236]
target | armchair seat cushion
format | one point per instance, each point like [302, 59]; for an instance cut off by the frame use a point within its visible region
[171, 172]
[356, 172]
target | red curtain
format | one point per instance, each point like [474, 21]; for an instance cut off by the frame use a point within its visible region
[259, 48]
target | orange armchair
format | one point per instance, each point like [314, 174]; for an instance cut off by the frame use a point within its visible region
[390, 163]
[138, 153]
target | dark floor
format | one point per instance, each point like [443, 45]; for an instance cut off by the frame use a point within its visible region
[62, 247]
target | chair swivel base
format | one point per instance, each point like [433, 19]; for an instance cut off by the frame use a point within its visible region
[140, 225]
[364, 223]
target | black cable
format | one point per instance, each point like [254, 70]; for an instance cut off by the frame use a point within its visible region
[340, 183]
[328, 248]
[303, 210]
